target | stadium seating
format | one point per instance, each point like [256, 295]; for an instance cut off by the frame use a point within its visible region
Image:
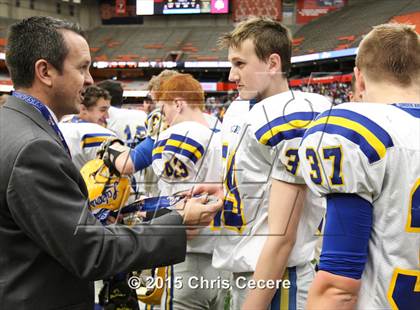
[127, 41]
[244, 8]
[153, 43]
[198, 43]
[411, 18]
[4, 23]
[330, 32]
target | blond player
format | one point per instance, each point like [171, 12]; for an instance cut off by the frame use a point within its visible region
[260, 137]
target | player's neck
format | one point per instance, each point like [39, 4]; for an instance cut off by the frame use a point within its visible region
[191, 115]
[82, 117]
[388, 93]
[278, 86]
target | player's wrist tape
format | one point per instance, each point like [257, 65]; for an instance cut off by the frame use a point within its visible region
[113, 150]
[113, 155]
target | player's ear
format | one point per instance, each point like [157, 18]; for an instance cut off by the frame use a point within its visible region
[360, 81]
[179, 103]
[274, 64]
[82, 108]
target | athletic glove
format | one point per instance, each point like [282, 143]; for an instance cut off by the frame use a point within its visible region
[109, 152]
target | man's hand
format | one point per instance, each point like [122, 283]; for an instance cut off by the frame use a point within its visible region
[210, 189]
[192, 233]
[197, 212]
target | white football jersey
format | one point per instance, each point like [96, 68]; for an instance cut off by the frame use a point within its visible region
[84, 140]
[69, 118]
[373, 150]
[147, 183]
[259, 144]
[213, 122]
[127, 124]
[186, 154]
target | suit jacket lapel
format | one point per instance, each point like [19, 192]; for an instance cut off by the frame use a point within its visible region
[28, 110]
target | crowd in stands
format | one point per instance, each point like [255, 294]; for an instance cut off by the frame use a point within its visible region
[336, 92]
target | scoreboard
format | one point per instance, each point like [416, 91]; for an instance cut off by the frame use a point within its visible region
[167, 7]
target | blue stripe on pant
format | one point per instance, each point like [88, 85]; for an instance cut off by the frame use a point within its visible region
[285, 298]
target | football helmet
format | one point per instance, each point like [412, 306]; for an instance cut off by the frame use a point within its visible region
[155, 123]
[152, 290]
[107, 192]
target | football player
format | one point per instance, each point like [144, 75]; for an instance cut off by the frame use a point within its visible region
[260, 140]
[85, 132]
[155, 124]
[154, 85]
[186, 153]
[93, 109]
[365, 159]
[129, 125]
[140, 158]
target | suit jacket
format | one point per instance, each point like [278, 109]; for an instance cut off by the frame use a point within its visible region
[51, 247]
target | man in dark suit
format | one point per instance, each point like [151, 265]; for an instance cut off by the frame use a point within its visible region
[51, 247]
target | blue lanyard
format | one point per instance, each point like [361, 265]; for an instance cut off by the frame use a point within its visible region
[45, 113]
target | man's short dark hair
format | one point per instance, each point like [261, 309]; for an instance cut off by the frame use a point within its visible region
[115, 90]
[93, 94]
[36, 38]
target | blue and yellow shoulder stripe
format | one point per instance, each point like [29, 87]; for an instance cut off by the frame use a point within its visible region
[94, 139]
[371, 138]
[180, 145]
[158, 149]
[285, 127]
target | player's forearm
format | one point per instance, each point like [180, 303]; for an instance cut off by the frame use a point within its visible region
[270, 266]
[330, 291]
[285, 206]
[124, 164]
